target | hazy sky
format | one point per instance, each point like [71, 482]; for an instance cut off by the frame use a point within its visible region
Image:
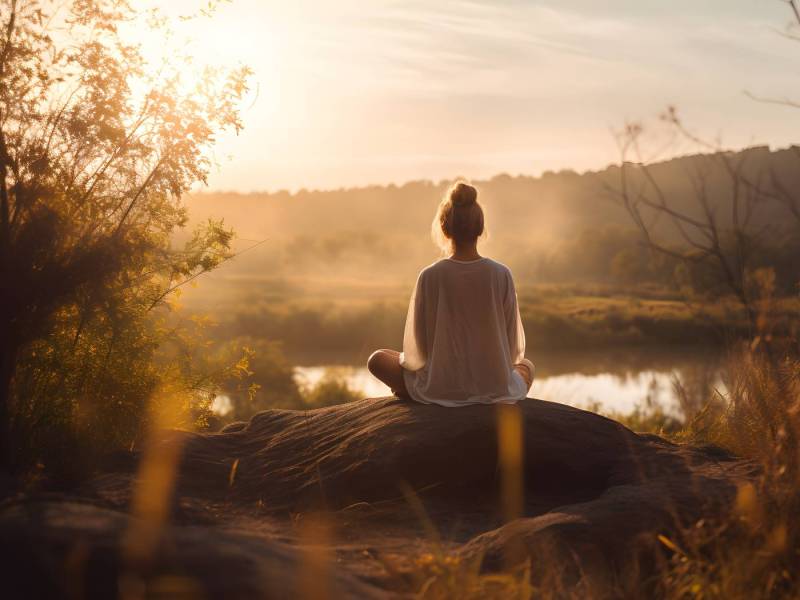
[377, 91]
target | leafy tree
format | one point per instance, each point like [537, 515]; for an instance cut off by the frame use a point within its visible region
[97, 147]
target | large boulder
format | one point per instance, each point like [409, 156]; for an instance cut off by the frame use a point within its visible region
[363, 450]
[64, 547]
[596, 495]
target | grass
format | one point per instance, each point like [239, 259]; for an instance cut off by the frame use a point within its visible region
[752, 552]
[555, 318]
[755, 551]
[442, 576]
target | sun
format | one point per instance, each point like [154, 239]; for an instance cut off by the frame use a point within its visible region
[185, 36]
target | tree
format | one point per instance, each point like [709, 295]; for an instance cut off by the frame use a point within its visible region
[722, 234]
[97, 148]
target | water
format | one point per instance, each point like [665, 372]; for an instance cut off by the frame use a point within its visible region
[611, 384]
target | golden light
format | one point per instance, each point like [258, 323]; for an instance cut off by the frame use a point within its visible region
[186, 36]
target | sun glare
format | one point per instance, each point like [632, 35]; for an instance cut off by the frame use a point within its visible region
[184, 36]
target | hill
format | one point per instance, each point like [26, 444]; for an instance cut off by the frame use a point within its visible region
[559, 227]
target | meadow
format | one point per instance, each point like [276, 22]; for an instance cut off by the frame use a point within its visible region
[601, 327]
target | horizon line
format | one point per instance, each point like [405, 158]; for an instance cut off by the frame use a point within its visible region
[449, 180]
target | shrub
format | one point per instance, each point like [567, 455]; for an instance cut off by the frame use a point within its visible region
[332, 389]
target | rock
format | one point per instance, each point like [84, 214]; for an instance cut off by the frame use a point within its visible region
[596, 495]
[68, 548]
[361, 451]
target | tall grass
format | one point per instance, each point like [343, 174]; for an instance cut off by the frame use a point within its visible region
[750, 552]
[753, 552]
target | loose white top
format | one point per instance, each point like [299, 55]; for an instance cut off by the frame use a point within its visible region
[463, 335]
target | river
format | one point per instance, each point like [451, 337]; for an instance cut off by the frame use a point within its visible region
[615, 381]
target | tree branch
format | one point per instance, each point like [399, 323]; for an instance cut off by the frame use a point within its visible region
[778, 101]
[795, 9]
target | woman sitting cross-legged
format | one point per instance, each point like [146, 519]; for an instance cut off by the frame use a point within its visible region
[463, 342]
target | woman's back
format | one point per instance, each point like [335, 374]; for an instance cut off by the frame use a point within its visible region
[463, 342]
[463, 335]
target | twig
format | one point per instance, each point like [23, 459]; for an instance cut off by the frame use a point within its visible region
[171, 289]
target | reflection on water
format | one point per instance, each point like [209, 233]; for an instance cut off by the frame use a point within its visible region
[618, 393]
[621, 388]
[358, 378]
[609, 392]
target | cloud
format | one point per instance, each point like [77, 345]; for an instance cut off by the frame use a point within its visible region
[360, 86]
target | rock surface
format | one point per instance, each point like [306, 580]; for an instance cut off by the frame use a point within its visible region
[349, 495]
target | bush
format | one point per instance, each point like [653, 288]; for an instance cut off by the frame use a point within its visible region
[753, 551]
[92, 184]
[266, 381]
[332, 389]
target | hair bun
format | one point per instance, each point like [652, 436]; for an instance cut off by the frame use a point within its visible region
[459, 217]
[463, 194]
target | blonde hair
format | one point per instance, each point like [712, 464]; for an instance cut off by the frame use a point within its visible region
[459, 217]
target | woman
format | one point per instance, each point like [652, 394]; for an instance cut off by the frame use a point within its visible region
[463, 342]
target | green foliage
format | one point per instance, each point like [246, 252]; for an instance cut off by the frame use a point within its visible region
[555, 318]
[751, 552]
[647, 417]
[319, 327]
[97, 147]
[610, 254]
[332, 389]
[268, 381]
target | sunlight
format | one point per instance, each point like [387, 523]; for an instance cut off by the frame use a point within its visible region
[511, 458]
[221, 405]
[446, 300]
[181, 35]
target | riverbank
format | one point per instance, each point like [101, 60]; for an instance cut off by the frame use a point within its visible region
[555, 319]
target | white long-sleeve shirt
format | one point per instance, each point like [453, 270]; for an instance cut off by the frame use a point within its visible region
[463, 335]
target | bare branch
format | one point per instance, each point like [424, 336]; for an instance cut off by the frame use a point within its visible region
[191, 278]
[795, 9]
[779, 101]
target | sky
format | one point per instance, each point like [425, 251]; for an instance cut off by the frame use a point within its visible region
[356, 92]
